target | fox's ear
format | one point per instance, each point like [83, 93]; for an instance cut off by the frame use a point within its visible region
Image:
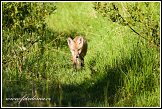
[69, 40]
[80, 40]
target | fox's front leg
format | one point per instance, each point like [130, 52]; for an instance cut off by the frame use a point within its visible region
[77, 63]
[74, 62]
[82, 61]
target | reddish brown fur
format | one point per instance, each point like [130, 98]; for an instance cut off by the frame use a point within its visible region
[78, 47]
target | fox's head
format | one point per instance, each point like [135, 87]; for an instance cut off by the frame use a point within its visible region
[76, 46]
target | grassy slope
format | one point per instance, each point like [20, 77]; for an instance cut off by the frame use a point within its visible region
[118, 70]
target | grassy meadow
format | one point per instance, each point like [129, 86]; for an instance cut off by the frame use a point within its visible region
[121, 70]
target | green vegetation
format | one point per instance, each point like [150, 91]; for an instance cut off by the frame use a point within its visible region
[142, 18]
[121, 68]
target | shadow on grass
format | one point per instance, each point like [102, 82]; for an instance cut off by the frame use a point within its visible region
[103, 91]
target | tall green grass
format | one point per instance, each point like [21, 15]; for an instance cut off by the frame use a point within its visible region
[120, 69]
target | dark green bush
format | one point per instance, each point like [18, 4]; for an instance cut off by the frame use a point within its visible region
[25, 16]
[23, 24]
[142, 17]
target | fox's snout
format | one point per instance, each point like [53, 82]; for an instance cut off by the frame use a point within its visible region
[77, 56]
[78, 48]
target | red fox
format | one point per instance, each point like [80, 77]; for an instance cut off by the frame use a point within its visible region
[78, 48]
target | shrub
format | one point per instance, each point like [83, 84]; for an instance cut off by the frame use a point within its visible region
[143, 18]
